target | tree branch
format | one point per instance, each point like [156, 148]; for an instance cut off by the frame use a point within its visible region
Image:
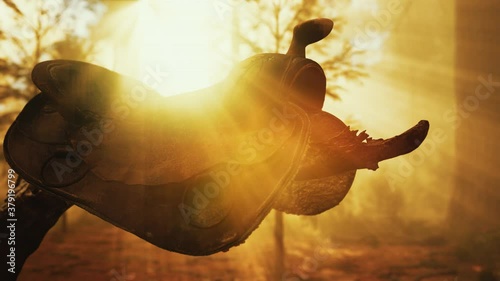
[14, 7]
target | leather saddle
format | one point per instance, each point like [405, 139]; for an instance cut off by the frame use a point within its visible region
[194, 173]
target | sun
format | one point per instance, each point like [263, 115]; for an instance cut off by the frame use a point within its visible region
[176, 38]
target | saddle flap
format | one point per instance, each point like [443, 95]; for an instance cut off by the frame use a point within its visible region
[209, 212]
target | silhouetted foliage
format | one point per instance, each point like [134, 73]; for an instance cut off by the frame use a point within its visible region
[266, 26]
[33, 31]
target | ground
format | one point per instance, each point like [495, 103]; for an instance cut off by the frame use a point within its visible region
[91, 249]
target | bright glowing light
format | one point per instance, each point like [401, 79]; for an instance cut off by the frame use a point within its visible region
[176, 38]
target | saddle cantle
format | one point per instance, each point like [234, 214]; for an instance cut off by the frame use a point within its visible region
[194, 173]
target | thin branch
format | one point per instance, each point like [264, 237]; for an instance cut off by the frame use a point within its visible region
[15, 94]
[276, 32]
[332, 92]
[14, 7]
[20, 45]
[255, 48]
[8, 118]
[296, 16]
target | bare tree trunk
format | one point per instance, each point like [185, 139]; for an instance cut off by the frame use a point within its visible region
[474, 204]
[279, 230]
[64, 222]
[279, 227]
[235, 34]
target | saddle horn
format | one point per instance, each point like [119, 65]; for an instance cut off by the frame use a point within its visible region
[307, 33]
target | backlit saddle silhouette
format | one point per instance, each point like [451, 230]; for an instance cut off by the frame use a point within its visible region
[195, 173]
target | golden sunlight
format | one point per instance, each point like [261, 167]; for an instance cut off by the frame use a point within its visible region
[174, 39]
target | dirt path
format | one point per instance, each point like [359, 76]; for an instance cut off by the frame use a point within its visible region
[97, 251]
[93, 250]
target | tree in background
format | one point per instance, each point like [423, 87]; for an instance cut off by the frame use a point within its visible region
[32, 31]
[266, 26]
[474, 206]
